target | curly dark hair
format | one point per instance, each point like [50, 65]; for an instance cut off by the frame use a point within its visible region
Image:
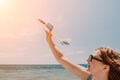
[111, 58]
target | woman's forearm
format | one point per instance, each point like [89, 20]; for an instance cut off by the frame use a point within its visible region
[58, 55]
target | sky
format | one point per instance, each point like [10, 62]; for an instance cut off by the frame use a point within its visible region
[89, 24]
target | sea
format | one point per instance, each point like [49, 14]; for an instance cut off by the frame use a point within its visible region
[36, 72]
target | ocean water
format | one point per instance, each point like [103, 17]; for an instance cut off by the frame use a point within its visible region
[35, 72]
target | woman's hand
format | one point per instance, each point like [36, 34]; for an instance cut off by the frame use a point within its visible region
[49, 38]
[48, 35]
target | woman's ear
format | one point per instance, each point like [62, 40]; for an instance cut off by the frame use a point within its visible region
[106, 67]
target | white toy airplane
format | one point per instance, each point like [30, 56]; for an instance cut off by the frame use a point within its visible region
[49, 27]
[46, 26]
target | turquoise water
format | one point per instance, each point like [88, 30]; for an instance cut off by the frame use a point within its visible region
[35, 72]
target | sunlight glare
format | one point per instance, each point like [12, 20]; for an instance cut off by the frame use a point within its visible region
[2, 3]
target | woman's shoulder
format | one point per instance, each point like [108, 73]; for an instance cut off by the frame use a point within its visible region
[89, 77]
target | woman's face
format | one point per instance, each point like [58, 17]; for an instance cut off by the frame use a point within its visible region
[95, 64]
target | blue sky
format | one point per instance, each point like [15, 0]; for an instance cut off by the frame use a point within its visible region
[88, 23]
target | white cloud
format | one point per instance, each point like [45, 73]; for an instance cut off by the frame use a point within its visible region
[80, 52]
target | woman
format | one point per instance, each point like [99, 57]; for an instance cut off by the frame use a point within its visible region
[103, 64]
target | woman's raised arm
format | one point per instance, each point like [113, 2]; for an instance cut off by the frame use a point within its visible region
[76, 69]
